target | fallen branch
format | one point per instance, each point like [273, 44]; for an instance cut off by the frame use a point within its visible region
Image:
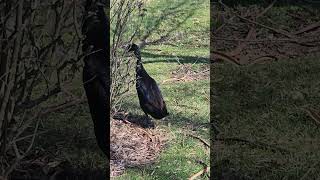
[312, 168]
[251, 34]
[314, 115]
[263, 58]
[222, 26]
[279, 31]
[308, 28]
[223, 56]
[254, 144]
[203, 141]
[266, 9]
[294, 39]
[203, 171]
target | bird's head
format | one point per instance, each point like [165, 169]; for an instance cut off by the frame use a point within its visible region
[131, 47]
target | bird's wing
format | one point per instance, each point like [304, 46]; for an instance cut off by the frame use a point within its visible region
[150, 93]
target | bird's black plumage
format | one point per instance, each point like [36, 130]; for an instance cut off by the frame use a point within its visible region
[96, 76]
[150, 97]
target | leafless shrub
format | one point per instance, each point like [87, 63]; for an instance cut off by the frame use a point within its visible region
[124, 21]
[39, 52]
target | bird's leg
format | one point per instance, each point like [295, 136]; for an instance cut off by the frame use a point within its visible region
[149, 123]
[146, 115]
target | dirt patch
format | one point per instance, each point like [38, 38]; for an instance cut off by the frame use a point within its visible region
[132, 145]
[255, 34]
[185, 73]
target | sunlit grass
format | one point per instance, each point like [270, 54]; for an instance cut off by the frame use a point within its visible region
[187, 102]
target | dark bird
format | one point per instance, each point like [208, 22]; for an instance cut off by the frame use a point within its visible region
[96, 77]
[150, 97]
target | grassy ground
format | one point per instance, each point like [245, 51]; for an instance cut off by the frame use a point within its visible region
[187, 102]
[264, 104]
[71, 138]
[265, 132]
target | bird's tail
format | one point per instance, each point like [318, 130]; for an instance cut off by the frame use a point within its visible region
[165, 112]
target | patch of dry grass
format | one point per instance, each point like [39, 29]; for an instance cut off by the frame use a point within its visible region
[132, 145]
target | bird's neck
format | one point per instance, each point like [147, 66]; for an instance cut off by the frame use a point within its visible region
[139, 66]
[138, 55]
[140, 71]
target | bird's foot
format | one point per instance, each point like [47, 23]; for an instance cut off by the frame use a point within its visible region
[148, 123]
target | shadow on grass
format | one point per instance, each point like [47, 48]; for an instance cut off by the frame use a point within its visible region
[140, 120]
[174, 16]
[174, 59]
[175, 119]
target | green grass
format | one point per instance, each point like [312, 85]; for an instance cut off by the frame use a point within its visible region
[264, 103]
[188, 114]
[184, 22]
[187, 102]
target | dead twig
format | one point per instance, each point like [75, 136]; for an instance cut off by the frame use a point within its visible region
[266, 9]
[253, 144]
[205, 169]
[198, 138]
[223, 56]
[312, 168]
[264, 58]
[315, 116]
[279, 31]
[251, 35]
[308, 28]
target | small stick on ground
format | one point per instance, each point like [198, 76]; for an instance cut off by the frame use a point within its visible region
[308, 28]
[203, 171]
[312, 168]
[254, 144]
[314, 115]
[223, 56]
[203, 141]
